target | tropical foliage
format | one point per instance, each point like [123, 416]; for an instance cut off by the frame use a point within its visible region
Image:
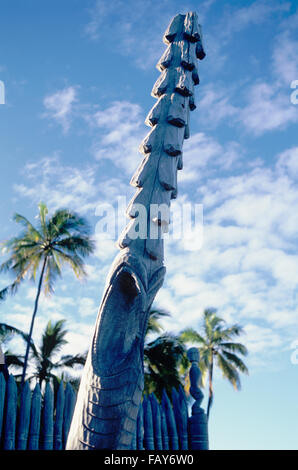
[217, 348]
[162, 357]
[62, 239]
[47, 364]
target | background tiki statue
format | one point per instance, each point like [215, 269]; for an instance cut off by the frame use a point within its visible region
[112, 383]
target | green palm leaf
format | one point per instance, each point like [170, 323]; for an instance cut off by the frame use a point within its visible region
[59, 240]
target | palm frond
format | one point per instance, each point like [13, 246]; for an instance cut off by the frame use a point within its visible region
[235, 360]
[234, 347]
[27, 224]
[228, 371]
[192, 336]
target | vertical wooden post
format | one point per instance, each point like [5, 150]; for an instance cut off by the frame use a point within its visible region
[2, 402]
[59, 418]
[164, 430]
[113, 373]
[24, 417]
[197, 424]
[148, 425]
[181, 416]
[156, 422]
[140, 428]
[47, 419]
[69, 405]
[33, 443]
[10, 414]
[171, 423]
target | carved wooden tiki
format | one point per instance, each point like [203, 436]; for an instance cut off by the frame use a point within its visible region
[112, 382]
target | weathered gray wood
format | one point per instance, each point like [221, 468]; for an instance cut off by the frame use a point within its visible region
[171, 423]
[173, 29]
[173, 140]
[24, 417]
[154, 114]
[161, 85]
[2, 401]
[200, 51]
[156, 422]
[10, 414]
[149, 142]
[166, 59]
[58, 426]
[69, 404]
[184, 82]
[47, 419]
[192, 103]
[33, 440]
[188, 55]
[112, 382]
[177, 114]
[167, 172]
[191, 28]
[164, 430]
[198, 426]
[143, 172]
[181, 417]
[140, 429]
[180, 162]
[148, 425]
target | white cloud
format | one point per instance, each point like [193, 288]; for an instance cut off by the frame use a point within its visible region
[247, 266]
[87, 307]
[59, 106]
[288, 162]
[123, 127]
[269, 108]
[284, 56]
[60, 185]
[255, 13]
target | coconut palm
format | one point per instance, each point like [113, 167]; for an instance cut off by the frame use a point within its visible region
[217, 347]
[6, 334]
[47, 365]
[63, 239]
[162, 357]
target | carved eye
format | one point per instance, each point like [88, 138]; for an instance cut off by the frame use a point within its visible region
[183, 106]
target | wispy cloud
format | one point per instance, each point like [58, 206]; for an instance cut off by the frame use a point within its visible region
[139, 37]
[269, 108]
[247, 265]
[59, 106]
[58, 184]
[123, 130]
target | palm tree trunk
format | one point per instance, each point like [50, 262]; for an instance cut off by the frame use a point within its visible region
[32, 320]
[210, 399]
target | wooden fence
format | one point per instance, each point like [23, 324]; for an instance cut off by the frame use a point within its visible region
[30, 420]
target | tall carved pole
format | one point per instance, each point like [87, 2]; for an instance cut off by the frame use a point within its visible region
[111, 387]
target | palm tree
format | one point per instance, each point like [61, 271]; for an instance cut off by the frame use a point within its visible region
[46, 364]
[6, 333]
[216, 347]
[45, 358]
[63, 239]
[162, 357]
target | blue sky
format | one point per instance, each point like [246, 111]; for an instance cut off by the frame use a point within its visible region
[78, 77]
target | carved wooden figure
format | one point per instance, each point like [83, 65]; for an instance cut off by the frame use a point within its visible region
[111, 387]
